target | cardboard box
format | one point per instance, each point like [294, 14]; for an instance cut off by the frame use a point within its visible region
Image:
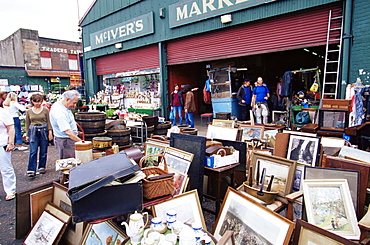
[218, 161]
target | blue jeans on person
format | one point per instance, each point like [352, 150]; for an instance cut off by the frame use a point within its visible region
[18, 131]
[189, 117]
[43, 143]
[177, 110]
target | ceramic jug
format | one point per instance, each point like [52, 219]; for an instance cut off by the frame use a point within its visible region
[135, 227]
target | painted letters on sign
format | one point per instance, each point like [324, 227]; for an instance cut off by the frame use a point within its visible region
[133, 28]
[195, 10]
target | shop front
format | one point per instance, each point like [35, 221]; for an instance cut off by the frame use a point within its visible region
[143, 57]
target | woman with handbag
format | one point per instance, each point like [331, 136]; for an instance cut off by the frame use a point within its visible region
[39, 132]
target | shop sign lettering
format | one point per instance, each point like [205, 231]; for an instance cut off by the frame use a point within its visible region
[187, 11]
[60, 50]
[130, 29]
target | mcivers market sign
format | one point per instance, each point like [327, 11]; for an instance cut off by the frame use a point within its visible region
[194, 10]
[133, 28]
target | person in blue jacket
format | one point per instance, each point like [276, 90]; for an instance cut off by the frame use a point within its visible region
[259, 101]
[244, 97]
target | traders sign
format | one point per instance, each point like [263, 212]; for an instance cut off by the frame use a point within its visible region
[195, 10]
[130, 29]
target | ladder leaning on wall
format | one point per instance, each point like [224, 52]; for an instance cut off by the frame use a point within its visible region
[332, 56]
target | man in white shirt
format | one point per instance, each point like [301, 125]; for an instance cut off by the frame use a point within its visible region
[64, 124]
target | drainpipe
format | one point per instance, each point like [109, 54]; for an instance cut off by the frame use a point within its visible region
[163, 76]
[347, 40]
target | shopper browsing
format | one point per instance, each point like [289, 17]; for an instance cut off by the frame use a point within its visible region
[244, 96]
[64, 124]
[13, 107]
[39, 132]
[176, 102]
[259, 101]
[189, 106]
[6, 146]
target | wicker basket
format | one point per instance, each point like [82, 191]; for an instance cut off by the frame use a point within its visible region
[156, 188]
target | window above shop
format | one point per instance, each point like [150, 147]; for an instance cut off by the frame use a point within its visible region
[45, 60]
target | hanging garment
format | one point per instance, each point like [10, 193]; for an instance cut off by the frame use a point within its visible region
[359, 103]
[286, 87]
[206, 95]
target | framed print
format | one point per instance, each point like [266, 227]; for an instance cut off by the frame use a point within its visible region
[152, 148]
[351, 176]
[187, 206]
[328, 205]
[38, 201]
[197, 146]
[178, 159]
[251, 221]
[303, 149]
[103, 233]
[364, 170]
[46, 230]
[307, 234]
[282, 169]
[214, 132]
[180, 181]
[74, 231]
[223, 123]
[270, 137]
[251, 132]
[58, 212]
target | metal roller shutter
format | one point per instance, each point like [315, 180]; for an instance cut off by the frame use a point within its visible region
[305, 28]
[141, 58]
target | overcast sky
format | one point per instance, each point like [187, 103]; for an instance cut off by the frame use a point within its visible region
[56, 19]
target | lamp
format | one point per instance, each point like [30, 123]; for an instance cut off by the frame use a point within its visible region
[226, 18]
[118, 45]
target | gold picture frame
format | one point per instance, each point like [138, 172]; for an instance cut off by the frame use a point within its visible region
[257, 222]
[282, 169]
[333, 196]
[251, 132]
[223, 123]
[107, 232]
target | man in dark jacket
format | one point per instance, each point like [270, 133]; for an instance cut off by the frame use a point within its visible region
[244, 96]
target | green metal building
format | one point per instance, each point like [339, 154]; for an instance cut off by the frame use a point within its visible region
[178, 41]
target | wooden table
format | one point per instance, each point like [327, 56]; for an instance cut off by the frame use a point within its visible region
[215, 176]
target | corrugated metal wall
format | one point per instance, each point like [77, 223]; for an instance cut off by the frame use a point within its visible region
[301, 29]
[143, 58]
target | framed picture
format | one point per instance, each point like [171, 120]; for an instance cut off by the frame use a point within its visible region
[152, 148]
[187, 206]
[46, 231]
[197, 146]
[38, 201]
[298, 177]
[362, 168]
[306, 234]
[74, 231]
[303, 149]
[270, 137]
[351, 176]
[103, 233]
[178, 159]
[328, 205]
[214, 132]
[251, 221]
[223, 123]
[57, 212]
[282, 169]
[251, 132]
[180, 180]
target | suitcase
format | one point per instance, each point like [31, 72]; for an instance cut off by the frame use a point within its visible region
[93, 199]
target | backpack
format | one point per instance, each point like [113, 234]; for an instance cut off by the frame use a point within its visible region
[303, 117]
